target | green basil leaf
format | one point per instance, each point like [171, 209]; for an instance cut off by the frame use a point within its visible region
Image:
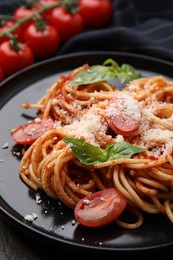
[109, 70]
[126, 73]
[85, 152]
[95, 73]
[90, 154]
[111, 62]
[121, 150]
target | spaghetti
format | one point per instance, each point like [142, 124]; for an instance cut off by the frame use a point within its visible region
[86, 111]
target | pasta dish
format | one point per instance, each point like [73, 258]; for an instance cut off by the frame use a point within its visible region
[91, 136]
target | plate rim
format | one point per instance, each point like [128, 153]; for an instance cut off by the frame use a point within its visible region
[76, 54]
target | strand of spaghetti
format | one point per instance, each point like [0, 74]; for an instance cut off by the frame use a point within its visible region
[71, 194]
[97, 181]
[136, 198]
[76, 188]
[87, 95]
[149, 191]
[158, 204]
[134, 225]
[34, 178]
[169, 209]
[47, 109]
[51, 91]
[37, 155]
[116, 180]
[152, 183]
[161, 92]
[28, 181]
[132, 163]
[160, 175]
[46, 169]
[63, 158]
[29, 105]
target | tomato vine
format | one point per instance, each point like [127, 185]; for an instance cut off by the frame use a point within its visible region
[43, 8]
[40, 27]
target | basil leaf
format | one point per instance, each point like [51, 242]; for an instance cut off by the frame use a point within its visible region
[121, 150]
[93, 74]
[86, 153]
[90, 154]
[126, 73]
[109, 70]
[113, 63]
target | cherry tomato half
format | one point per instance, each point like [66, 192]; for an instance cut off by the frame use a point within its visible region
[95, 13]
[100, 208]
[12, 60]
[30, 132]
[67, 24]
[44, 43]
[124, 114]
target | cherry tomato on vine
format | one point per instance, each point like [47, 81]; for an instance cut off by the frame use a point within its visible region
[1, 74]
[30, 132]
[95, 13]
[100, 208]
[46, 14]
[24, 11]
[6, 25]
[44, 42]
[67, 24]
[14, 60]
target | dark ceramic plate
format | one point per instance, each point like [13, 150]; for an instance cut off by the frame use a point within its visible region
[55, 221]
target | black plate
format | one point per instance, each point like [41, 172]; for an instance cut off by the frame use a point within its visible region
[55, 221]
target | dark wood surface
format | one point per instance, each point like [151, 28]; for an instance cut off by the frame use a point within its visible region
[15, 245]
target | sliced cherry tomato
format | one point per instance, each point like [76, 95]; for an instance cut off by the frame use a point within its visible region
[67, 24]
[100, 208]
[44, 43]
[124, 114]
[96, 13]
[14, 60]
[6, 25]
[1, 74]
[30, 132]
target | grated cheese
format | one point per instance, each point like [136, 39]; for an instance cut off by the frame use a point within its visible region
[126, 105]
[89, 126]
[158, 135]
[31, 217]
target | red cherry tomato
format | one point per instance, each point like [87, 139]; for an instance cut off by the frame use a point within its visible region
[43, 43]
[1, 74]
[67, 24]
[96, 13]
[46, 14]
[124, 114]
[24, 11]
[100, 208]
[13, 61]
[6, 26]
[30, 132]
